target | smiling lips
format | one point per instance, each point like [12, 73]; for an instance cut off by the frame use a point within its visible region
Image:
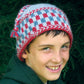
[54, 68]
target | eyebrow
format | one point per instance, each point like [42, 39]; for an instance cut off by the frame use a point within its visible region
[66, 43]
[52, 45]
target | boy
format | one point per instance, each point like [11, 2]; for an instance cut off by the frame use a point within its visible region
[44, 39]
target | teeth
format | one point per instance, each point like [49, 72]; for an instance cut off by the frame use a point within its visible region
[54, 68]
[57, 67]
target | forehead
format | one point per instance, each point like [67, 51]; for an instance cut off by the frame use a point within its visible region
[59, 39]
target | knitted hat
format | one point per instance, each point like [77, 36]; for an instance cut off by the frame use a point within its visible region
[32, 20]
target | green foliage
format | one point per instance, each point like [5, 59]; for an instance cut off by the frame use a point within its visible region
[73, 9]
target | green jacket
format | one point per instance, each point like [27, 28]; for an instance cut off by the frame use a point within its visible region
[19, 73]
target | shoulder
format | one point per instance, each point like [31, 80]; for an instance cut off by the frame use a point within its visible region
[8, 81]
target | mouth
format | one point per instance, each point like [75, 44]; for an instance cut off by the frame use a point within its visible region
[54, 68]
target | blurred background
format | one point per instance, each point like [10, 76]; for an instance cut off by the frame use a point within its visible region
[73, 73]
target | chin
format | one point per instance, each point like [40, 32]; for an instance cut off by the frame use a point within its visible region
[52, 78]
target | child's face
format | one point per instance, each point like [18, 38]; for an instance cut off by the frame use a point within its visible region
[48, 55]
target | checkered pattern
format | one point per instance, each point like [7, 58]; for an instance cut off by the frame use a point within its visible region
[31, 23]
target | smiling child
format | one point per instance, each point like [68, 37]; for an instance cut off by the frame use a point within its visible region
[43, 41]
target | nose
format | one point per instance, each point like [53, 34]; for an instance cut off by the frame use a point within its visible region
[57, 57]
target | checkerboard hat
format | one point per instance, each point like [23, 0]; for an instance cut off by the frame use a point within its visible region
[32, 20]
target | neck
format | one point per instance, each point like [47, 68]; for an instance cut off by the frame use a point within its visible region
[43, 80]
[45, 83]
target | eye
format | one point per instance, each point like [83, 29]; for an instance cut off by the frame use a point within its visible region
[65, 46]
[46, 48]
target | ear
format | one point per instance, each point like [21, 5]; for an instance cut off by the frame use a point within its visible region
[25, 54]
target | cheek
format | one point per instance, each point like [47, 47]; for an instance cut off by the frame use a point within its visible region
[43, 57]
[65, 56]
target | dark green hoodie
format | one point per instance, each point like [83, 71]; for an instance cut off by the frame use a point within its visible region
[19, 73]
